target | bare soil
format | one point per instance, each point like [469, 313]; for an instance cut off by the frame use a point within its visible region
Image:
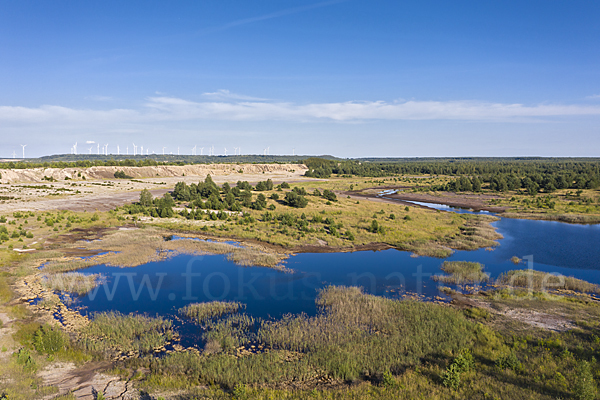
[30, 189]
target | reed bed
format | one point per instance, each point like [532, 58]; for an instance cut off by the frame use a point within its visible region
[202, 312]
[229, 333]
[475, 233]
[72, 282]
[353, 334]
[543, 281]
[462, 272]
[112, 332]
[131, 248]
[357, 332]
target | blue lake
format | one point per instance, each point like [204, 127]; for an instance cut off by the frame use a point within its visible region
[160, 288]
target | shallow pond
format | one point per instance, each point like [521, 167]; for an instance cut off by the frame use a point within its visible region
[160, 288]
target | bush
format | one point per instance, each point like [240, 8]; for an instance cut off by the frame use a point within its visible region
[122, 175]
[464, 361]
[585, 388]
[509, 362]
[49, 340]
[329, 195]
[284, 185]
[293, 199]
[375, 227]
[451, 377]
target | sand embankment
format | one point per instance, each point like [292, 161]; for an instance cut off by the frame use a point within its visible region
[59, 174]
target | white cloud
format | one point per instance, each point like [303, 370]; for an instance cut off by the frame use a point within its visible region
[593, 97]
[164, 108]
[224, 94]
[170, 107]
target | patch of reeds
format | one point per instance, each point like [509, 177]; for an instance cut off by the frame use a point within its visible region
[461, 272]
[475, 233]
[72, 282]
[229, 333]
[112, 332]
[131, 248]
[544, 281]
[353, 334]
[202, 312]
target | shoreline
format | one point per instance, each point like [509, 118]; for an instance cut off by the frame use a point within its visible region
[467, 202]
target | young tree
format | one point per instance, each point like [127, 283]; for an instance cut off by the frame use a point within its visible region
[293, 199]
[329, 195]
[146, 198]
[476, 184]
[585, 387]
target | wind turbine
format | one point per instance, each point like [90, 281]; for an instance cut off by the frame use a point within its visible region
[134, 148]
[293, 152]
[75, 148]
[194, 150]
[106, 149]
[98, 148]
[268, 150]
[177, 150]
[142, 150]
[225, 150]
[118, 151]
[23, 146]
[90, 149]
[14, 154]
[201, 150]
[164, 150]
[127, 150]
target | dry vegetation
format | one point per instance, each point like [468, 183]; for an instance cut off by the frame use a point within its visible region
[72, 282]
[202, 312]
[462, 272]
[542, 281]
[133, 247]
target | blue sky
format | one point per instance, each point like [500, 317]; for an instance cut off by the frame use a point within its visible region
[349, 78]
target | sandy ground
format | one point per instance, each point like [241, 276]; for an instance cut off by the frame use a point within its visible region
[27, 189]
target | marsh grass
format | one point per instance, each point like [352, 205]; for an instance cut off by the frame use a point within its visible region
[461, 272]
[72, 282]
[202, 312]
[543, 281]
[112, 332]
[354, 334]
[130, 248]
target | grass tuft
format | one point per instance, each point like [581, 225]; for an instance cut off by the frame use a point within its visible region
[462, 272]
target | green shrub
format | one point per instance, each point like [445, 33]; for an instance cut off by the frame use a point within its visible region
[464, 361]
[23, 357]
[509, 361]
[451, 377]
[49, 340]
[585, 387]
